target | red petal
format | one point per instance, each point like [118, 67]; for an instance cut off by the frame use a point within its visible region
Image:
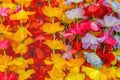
[39, 53]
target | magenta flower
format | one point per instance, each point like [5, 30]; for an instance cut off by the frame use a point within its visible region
[91, 41]
[4, 11]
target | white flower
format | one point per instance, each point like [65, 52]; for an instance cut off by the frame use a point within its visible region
[110, 21]
[75, 13]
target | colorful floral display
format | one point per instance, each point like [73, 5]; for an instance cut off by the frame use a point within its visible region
[60, 39]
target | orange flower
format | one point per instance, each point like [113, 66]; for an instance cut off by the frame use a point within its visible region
[4, 32]
[26, 3]
[52, 28]
[21, 47]
[52, 11]
[89, 1]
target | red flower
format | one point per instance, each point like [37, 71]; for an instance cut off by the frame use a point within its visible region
[107, 57]
[77, 47]
[8, 76]
[96, 11]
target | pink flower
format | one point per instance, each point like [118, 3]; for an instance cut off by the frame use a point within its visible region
[4, 44]
[81, 29]
[4, 11]
[109, 40]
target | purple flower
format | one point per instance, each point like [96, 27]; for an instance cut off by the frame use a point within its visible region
[67, 54]
[91, 41]
[116, 28]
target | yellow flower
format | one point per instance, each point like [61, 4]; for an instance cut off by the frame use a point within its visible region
[76, 62]
[52, 28]
[66, 7]
[26, 3]
[19, 64]
[94, 74]
[6, 1]
[75, 75]
[11, 6]
[21, 34]
[55, 44]
[24, 75]
[55, 74]
[57, 61]
[117, 52]
[66, 20]
[4, 32]
[52, 11]
[21, 47]
[21, 15]
[5, 62]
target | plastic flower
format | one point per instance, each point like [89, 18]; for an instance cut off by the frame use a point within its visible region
[22, 33]
[21, 63]
[94, 74]
[57, 61]
[55, 44]
[115, 5]
[75, 1]
[4, 44]
[23, 75]
[10, 75]
[110, 21]
[111, 72]
[9, 5]
[21, 15]
[74, 74]
[52, 11]
[106, 57]
[116, 28]
[75, 62]
[75, 13]
[91, 41]
[4, 11]
[5, 62]
[21, 47]
[26, 3]
[55, 74]
[93, 59]
[52, 28]
[81, 29]
[5, 32]
[117, 37]
[109, 40]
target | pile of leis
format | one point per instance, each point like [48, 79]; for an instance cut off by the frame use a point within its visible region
[60, 39]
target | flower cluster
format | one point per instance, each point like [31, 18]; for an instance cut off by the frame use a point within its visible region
[60, 39]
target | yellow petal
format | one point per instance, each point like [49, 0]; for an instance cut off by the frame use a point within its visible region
[25, 75]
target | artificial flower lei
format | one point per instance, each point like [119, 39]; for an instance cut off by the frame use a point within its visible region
[60, 40]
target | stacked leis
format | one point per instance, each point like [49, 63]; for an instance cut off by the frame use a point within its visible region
[59, 39]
